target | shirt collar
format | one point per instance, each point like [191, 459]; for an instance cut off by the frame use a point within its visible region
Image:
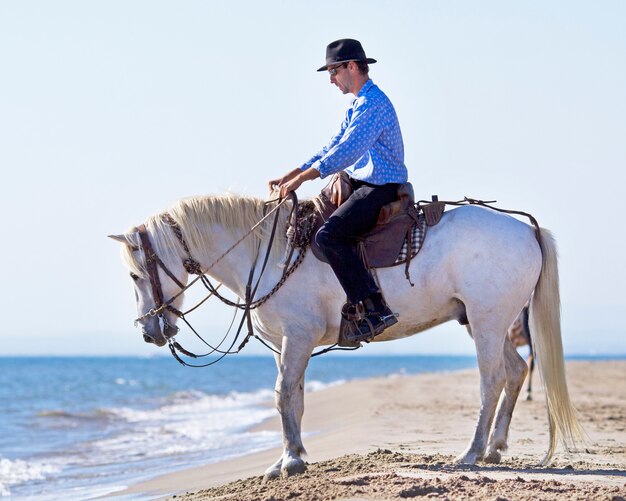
[366, 87]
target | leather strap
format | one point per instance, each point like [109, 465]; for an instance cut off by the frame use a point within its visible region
[152, 263]
[151, 266]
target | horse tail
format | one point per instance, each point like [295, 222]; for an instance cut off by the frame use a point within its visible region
[545, 317]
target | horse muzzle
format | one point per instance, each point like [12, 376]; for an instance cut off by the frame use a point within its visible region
[159, 340]
[158, 330]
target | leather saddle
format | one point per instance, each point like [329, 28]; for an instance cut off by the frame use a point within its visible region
[383, 243]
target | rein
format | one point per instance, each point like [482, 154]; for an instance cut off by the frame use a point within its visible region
[193, 267]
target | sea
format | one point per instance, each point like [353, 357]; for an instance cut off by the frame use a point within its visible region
[75, 428]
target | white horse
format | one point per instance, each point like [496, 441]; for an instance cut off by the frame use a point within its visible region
[477, 265]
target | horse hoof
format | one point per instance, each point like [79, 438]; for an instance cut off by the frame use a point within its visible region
[272, 473]
[493, 457]
[529, 398]
[468, 458]
[268, 477]
[293, 467]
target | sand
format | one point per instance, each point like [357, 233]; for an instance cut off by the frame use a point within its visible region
[396, 437]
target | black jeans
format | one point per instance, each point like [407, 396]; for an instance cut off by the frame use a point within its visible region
[338, 237]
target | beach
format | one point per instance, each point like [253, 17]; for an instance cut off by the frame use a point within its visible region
[89, 426]
[396, 437]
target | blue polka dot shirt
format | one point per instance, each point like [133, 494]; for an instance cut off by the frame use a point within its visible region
[369, 144]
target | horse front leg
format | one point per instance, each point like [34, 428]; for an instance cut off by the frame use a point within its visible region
[492, 376]
[274, 470]
[289, 397]
[515, 369]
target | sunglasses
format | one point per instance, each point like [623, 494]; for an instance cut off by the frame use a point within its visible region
[333, 71]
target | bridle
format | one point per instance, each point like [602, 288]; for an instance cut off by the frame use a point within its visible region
[193, 267]
[153, 261]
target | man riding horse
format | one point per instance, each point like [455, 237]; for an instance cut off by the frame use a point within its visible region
[369, 148]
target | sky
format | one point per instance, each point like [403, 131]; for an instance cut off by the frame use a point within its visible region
[110, 111]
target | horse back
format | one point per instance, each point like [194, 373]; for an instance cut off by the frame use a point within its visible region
[480, 252]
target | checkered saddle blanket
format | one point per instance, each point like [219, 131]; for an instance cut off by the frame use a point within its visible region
[414, 243]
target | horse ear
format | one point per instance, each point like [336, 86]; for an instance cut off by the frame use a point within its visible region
[124, 240]
[120, 238]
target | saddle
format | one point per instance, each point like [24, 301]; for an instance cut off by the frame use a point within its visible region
[383, 245]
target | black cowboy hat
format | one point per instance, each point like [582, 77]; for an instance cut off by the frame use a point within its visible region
[344, 50]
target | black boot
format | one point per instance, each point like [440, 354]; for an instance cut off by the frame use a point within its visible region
[376, 318]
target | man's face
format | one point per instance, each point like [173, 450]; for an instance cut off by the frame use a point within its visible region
[341, 76]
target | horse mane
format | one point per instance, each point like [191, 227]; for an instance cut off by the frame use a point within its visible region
[195, 216]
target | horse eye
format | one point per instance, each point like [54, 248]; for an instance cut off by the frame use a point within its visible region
[133, 276]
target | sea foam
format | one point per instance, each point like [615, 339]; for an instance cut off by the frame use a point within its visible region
[13, 472]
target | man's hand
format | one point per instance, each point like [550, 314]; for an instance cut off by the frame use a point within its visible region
[292, 185]
[275, 184]
[292, 180]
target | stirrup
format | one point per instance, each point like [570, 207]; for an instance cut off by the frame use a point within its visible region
[350, 315]
[370, 326]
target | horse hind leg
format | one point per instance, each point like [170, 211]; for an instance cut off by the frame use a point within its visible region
[530, 362]
[492, 378]
[515, 369]
[531, 368]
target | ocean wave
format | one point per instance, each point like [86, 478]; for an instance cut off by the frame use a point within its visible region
[74, 418]
[130, 382]
[190, 441]
[192, 421]
[182, 422]
[190, 402]
[181, 427]
[312, 386]
[14, 472]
